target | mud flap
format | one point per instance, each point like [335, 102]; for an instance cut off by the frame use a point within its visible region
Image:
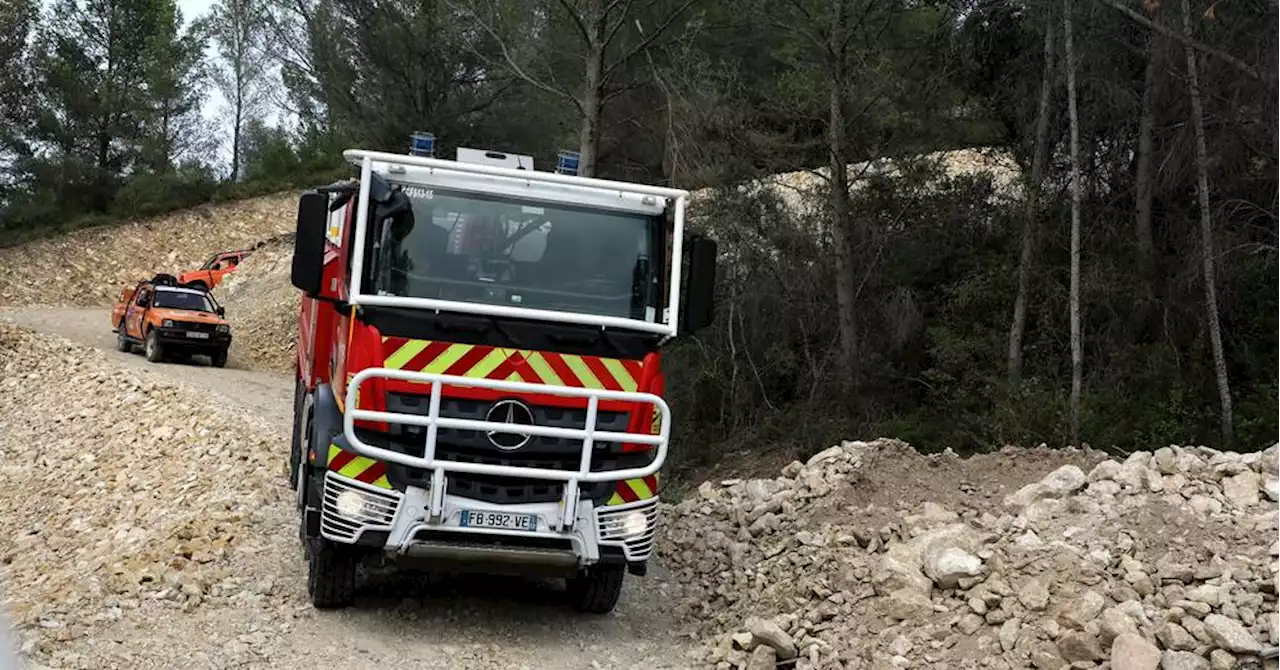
[326, 424]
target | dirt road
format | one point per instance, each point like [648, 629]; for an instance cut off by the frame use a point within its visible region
[265, 395]
[398, 622]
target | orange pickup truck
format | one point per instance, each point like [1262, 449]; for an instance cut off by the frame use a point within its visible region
[210, 274]
[167, 319]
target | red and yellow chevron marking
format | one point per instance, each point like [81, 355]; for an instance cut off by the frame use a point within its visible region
[484, 362]
[633, 490]
[358, 468]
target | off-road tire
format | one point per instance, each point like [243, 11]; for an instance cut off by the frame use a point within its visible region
[331, 575]
[122, 339]
[153, 348]
[596, 590]
[218, 358]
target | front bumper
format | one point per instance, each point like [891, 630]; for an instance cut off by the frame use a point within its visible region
[399, 523]
[180, 338]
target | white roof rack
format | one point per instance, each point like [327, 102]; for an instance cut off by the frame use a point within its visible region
[355, 156]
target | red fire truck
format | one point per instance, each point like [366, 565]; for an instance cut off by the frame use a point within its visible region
[479, 383]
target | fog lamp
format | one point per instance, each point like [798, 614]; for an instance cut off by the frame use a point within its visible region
[349, 503]
[634, 523]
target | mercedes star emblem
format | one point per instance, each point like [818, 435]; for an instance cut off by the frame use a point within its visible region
[511, 412]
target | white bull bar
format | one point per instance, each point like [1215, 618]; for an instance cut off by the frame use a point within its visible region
[433, 422]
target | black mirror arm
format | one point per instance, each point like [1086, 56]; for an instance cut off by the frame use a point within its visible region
[338, 304]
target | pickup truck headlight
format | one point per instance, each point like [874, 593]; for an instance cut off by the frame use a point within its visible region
[224, 328]
[167, 323]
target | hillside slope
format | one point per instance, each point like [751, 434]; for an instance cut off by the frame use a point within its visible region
[88, 268]
[262, 306]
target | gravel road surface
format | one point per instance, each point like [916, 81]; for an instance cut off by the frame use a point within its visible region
[400, 621]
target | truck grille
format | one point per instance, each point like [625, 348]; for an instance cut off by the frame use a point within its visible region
[197, 326]
[468, 446]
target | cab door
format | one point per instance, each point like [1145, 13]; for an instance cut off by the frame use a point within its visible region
[229, 263]
[137, 310]
[120, 307]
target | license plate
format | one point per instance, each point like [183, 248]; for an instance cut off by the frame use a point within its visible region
[504, 520]
[198, 336]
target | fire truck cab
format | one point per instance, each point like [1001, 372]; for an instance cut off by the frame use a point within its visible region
[479, 378]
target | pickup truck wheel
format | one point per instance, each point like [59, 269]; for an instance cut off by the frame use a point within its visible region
[331, 575]
[122, 339]
[219, 358]
[153, 348]
[597, 589]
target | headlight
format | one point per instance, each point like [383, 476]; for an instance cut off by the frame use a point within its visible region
[350, 504]
[167, 323]
[635, 523]
[224, 328]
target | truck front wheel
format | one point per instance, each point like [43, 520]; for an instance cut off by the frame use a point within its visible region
[331, 575]
[153, 348]
[596, 589]
[219, 358]
[122, 339]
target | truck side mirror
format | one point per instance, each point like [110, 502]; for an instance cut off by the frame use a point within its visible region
[307, 272]
[699, 300]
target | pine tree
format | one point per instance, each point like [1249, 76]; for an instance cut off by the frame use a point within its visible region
[172, 128]
[239, 30]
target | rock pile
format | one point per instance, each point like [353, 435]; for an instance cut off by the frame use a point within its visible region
[120, 496]
[88, 268]
[1162, 560]
[262, 306]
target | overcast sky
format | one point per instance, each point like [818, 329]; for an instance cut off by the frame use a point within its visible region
[214, 100]
[193, 8]
[215, 110]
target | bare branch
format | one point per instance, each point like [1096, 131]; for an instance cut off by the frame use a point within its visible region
[617, 27]
[619, 91]
[510, 61]
[1183, 39]
[649, 39]
[822, 45]
[577, 19]
[614, 5]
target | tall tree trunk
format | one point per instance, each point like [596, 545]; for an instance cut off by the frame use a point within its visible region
[237, 127]
[1040, 152]
[102, 179]
[840, 208]
[1144, 177]
[593, 91]
[235, 149]
[1077, 352]
[1206, 232]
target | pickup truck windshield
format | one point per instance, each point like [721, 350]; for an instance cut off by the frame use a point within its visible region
[195, 302]
[481, 248]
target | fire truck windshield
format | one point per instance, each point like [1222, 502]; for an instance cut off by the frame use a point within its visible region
[453, 245]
